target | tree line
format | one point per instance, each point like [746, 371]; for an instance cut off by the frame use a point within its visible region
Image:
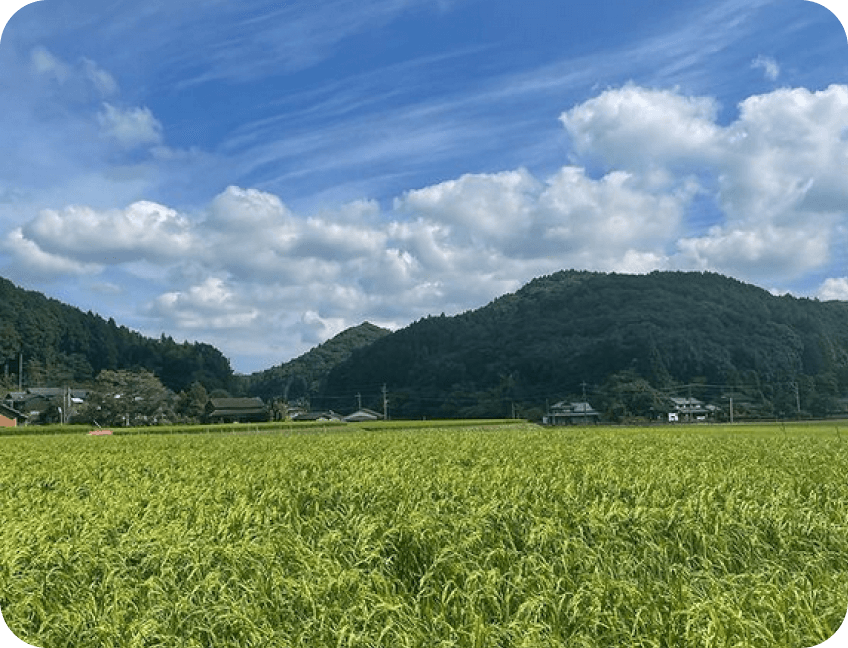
[56, 344]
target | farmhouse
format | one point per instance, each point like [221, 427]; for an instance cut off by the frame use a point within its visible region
[10, 417]
[235, 410]
[565, 413]
[690, 409]
[46, 404]
[363, 415]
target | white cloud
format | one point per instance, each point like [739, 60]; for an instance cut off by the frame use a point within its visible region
[130, 128]
[595, 223]
[45, 64]
[209, 305]
[144, 230]
[758, 253]
[33, 261]
[103, 82]
[84, 72]
[248, 262]
[634, 127]
[785, 157]
[834, 288]
[769, 66]
[484, 208]
[779, 168]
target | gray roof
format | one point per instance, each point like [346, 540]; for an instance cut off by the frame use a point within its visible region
[363, 415]
[239, 404]
[571, 408]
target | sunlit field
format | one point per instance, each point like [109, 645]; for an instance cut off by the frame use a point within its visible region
[499, 535]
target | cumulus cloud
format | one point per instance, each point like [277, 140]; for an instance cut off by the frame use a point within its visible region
[786, 154]
[779, 169]
[130, 127]
[484, 208]
[757, 254]
[248, 262]
[633, 127]
[144, 230]
[211, 304]
[835, 288]
[36, 262]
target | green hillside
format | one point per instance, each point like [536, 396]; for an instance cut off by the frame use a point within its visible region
[625, 341]
[62, 345]
[304, 376]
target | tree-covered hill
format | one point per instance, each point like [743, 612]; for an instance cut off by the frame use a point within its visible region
[564, 333]
[62, 345]
[304, 376]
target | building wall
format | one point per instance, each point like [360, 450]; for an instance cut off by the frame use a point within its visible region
[7, 422]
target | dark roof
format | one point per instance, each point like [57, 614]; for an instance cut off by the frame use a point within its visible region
[45, 392]
[564, 408]
[10, 412]
[236, 403]
[236, 409]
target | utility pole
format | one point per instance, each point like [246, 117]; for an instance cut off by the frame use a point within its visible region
[358, 400]
[385, 404]
[21, 371]
[731, 410]
[797, 397]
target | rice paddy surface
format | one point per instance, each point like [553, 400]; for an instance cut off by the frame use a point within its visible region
[467, 536]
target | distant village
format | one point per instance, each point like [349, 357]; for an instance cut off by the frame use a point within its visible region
[52, 405]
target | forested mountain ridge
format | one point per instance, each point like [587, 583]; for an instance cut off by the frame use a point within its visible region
[623, 341]
[62, 345]
[304, 376]
[561, 333]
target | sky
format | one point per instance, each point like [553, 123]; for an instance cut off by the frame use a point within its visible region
[261, 176]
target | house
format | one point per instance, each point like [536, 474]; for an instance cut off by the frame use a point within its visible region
[10, 417]
[317, 416]
[690, 409]
[571, 413]
[235, 410]
[363, 414]
[46, 404]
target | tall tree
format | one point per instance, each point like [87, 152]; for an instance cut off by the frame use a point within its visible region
[128, 398]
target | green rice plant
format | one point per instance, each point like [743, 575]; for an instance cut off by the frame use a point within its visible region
[427, 535]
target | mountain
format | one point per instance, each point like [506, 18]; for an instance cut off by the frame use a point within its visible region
[62, 345]
[609, 336]
[304, 376]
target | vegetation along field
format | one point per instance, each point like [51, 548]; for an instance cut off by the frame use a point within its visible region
[427, 536]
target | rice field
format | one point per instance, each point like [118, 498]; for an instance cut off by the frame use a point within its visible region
[474, 536]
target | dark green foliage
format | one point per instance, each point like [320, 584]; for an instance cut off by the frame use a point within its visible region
[301, 378]
[63, 345]
[666, 328]
[128, 398]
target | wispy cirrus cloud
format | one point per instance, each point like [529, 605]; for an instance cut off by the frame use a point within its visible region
[768, 65]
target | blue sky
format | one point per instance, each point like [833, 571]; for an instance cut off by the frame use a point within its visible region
[262, 175]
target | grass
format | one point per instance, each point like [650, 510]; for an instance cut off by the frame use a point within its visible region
[423, 535]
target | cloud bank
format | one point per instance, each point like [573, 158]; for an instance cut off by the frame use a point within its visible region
[655, 182]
